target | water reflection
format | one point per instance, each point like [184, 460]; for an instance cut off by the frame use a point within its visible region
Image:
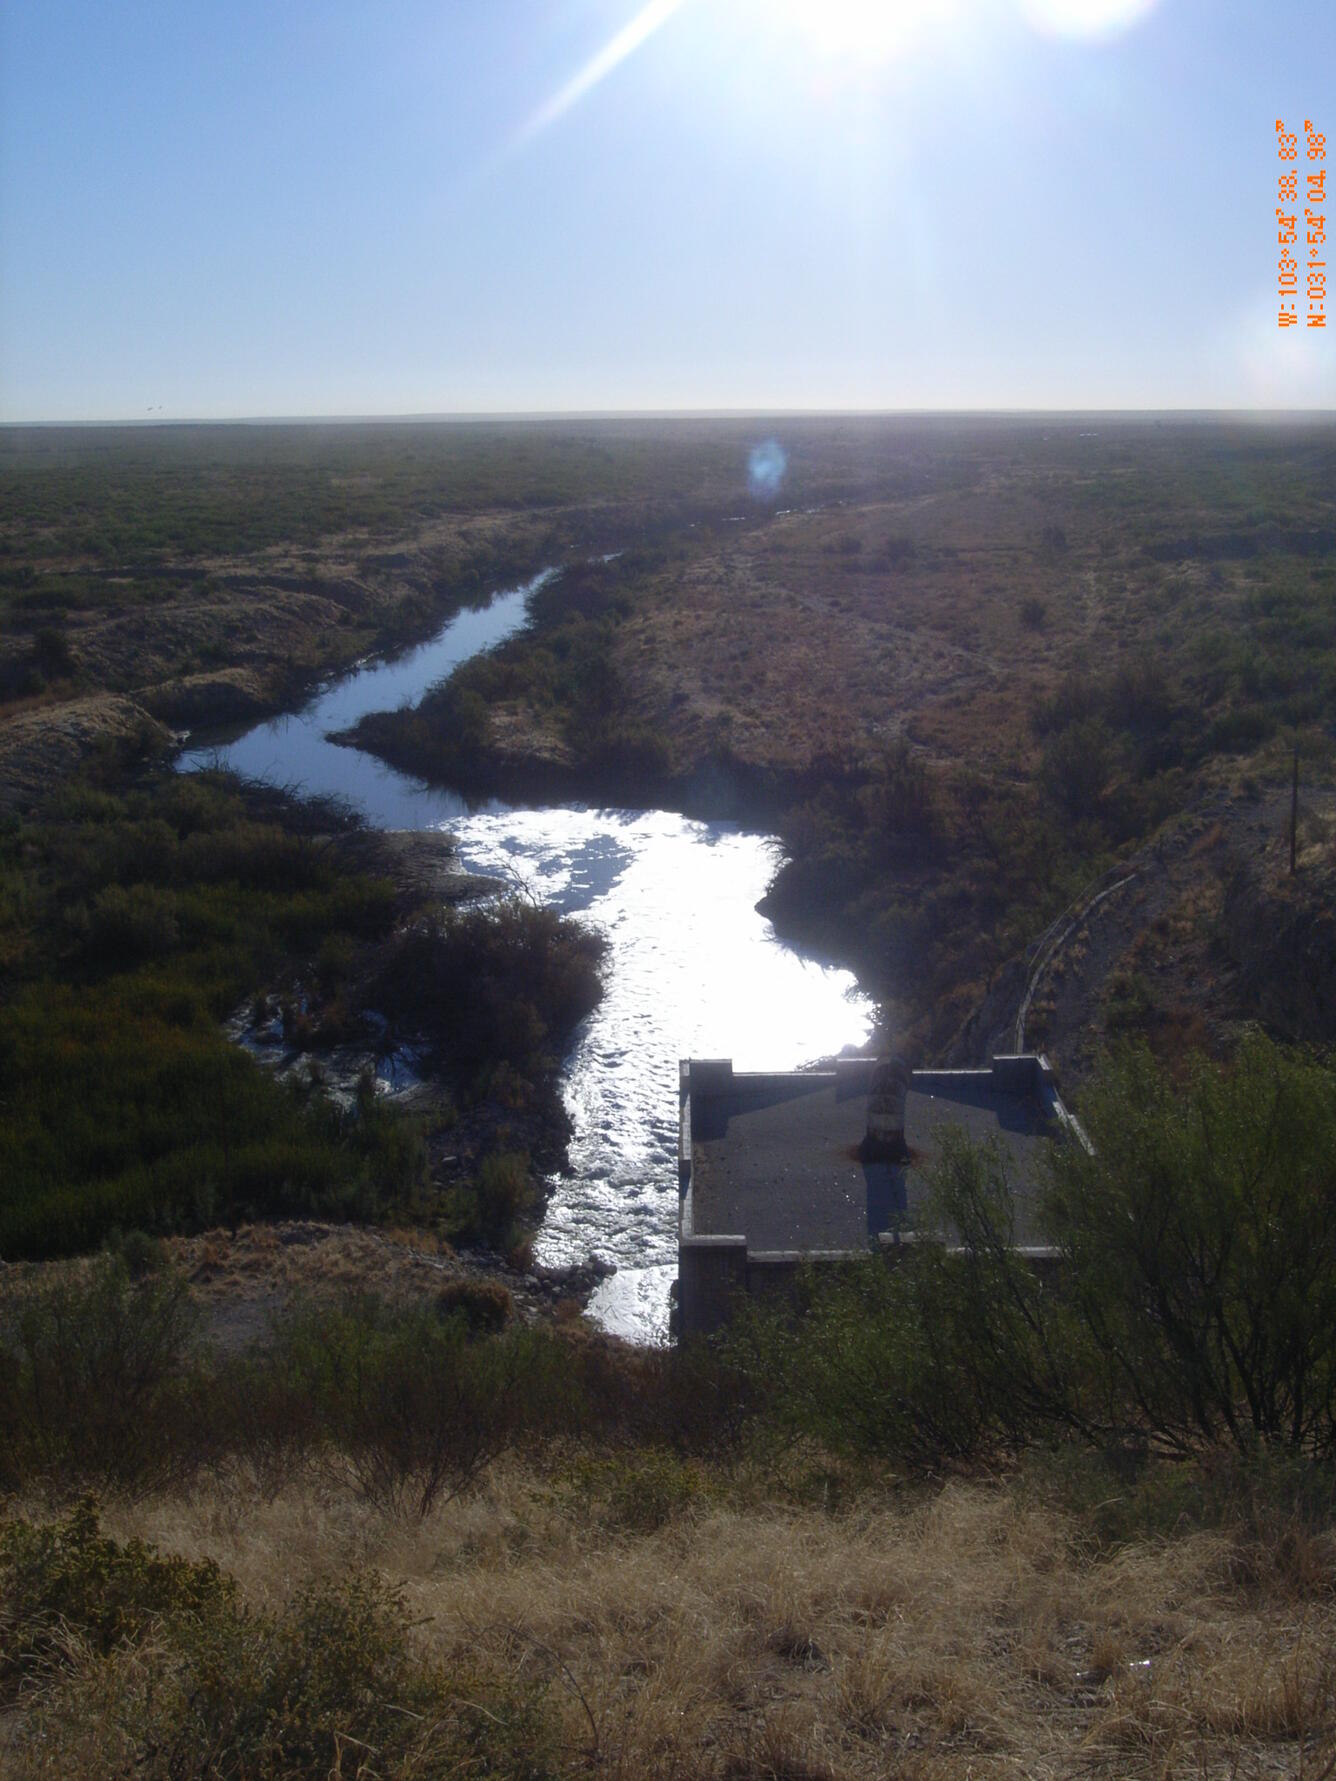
[293, 750]
[693, 969]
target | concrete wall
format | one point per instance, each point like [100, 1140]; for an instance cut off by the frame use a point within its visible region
[711, 1271]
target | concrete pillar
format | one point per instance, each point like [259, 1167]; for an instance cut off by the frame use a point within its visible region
[885, 1139]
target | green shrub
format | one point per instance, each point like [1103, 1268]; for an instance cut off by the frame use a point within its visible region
[1200, 1239]
[504, 983]
[642, 1490]
[485, 1305]
[125, 927]
[97, 1379]
[504, 1196]
[1034, 613]
[68, 1577]
[1077, 766]
[412, 1402]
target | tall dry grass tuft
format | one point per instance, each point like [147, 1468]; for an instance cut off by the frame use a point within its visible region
[966, 1631]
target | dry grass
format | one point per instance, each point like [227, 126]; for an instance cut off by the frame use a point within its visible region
[970, 1633]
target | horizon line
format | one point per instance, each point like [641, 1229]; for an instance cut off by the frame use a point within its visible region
[483, 415]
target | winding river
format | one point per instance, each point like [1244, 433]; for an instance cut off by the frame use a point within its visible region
[692, 970]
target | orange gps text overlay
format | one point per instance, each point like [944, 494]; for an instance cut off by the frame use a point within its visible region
[1301, 226]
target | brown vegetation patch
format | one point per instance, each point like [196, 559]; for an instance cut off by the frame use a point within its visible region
[973, 1632]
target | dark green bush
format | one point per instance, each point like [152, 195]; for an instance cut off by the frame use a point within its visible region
[128, 926]
[505, 982]
[1200, 1238]
[1077, 766]
[485, 1305]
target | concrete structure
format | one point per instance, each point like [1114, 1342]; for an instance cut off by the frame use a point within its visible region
[776, 1170]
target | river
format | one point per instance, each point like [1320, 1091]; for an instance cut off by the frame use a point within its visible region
[693, 969]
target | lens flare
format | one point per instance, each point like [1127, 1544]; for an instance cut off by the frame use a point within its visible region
[626, 42]
[766, 465]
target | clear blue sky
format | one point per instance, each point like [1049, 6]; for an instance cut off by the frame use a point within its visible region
[287, 207]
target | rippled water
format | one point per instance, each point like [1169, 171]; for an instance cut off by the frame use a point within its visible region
[692, 968]
[693, 971]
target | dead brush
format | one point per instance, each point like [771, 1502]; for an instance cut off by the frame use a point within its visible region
[966, 1632]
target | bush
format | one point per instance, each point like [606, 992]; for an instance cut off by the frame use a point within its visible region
[485, 1305]
[1034, 613]
[412, 1402]
[504, 983]
[334, 1679]
[52, 655]
[97, 1379]
[643, 1490]
[1077, 767]
[125, 927]
[505, 1197]
[69, 1577]
[1200, 1238]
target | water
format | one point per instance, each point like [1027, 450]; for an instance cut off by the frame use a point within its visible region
[692, 968]
[292, 750]
[694, 971]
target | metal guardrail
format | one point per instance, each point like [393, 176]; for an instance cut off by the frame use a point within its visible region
[1056, 932]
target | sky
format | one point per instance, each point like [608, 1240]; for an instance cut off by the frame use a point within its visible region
[474, 206]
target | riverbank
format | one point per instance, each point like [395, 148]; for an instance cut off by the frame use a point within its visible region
[956, 709]
[154, 913]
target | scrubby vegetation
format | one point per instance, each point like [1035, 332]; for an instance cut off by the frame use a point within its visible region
[1189, 1305]
[563, 676]
[946, 1515]
[959, 697]
[140, 919]
[954, 1518]
[163, 1670]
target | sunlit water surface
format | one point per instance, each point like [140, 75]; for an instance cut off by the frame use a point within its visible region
[692, 968]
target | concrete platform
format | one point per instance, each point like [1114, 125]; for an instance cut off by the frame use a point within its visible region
[771, 1173]
[779, 1163]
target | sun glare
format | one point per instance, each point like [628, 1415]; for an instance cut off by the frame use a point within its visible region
[864, 30]
[1085, 18]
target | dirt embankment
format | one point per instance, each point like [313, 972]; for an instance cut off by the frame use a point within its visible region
[41, 746]
[226, 640]
[242, 1280]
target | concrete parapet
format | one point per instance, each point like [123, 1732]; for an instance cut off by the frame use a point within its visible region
[853, 1075]
[711, 1271]
[1016, 1074]
[894, 1246]
[684, 1143]
[710, 1075]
